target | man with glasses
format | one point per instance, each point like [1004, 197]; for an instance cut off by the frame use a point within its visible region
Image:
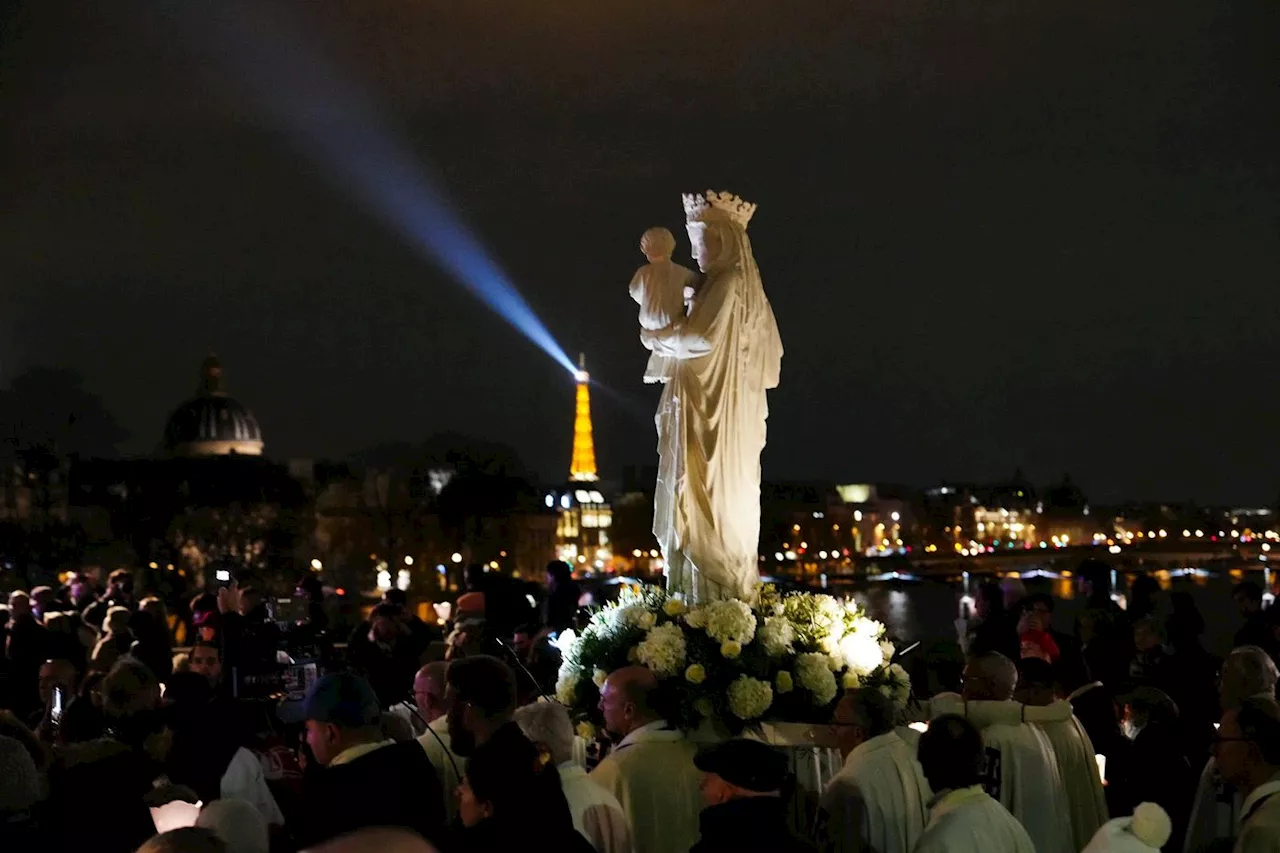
[1248, 672]
[879, 799]
[1247, 749]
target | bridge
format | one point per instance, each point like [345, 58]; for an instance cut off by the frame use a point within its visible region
[1162, 555]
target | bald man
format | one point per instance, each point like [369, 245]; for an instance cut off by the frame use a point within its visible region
[384, 839]
[1021, 766]
[430, 686]
[650, 769]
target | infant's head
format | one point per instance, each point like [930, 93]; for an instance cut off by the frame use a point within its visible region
[657, 244]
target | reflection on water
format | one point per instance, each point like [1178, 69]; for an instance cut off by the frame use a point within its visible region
[926, 610]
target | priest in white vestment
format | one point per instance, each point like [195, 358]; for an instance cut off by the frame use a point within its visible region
[963, 818]
[1022, 769]
[597, 814]
[650, 771]
[878, 801]
[1086, 801]
[711, 419]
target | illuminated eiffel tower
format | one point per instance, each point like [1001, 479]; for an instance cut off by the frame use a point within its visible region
[582, 467]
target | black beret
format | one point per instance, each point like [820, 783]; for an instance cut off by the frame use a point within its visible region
[746, 763]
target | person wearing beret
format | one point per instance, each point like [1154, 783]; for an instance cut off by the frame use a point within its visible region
[743, 805]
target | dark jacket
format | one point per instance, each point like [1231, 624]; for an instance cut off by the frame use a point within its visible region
[96, 790]
[394, 785]
[749, 825]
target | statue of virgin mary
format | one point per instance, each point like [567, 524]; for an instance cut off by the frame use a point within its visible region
[712, 416]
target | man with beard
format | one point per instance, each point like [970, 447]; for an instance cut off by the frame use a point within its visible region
[651, 770]
[481, 695]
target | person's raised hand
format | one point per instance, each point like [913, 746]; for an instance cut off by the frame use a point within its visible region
[229, 598]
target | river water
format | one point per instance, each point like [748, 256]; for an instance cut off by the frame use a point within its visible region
[926, 610]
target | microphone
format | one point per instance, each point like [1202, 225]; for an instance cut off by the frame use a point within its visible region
[523, 668]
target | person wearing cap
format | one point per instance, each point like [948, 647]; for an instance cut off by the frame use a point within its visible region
[878, 800]
[743, 807]
[963, 818]
[363, 780]
[650, 771]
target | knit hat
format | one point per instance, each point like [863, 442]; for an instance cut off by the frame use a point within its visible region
[1144, 831]
[19, 779]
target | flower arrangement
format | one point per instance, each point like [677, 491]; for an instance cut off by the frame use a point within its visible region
[786, 658]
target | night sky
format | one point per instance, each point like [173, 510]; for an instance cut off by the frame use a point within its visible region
[994, 233]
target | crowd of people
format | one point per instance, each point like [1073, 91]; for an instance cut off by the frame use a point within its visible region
[1123, 734]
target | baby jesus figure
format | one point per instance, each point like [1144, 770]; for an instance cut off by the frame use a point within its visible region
[663, 290]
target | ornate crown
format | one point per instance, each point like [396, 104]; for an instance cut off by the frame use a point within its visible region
[714, 205]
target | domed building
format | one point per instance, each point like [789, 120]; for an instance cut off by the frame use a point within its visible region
[212, 423]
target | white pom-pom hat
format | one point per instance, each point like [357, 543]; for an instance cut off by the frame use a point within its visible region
[1145, 831]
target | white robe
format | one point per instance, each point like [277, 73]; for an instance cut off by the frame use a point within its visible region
[651, 774]
[244, 780]
[1022, 766]
[969, 821]
[711, 424]
[1215, 812]
[597, 814]
[878, 802]
[1260, 819]
[440, 755]
[1086, 800]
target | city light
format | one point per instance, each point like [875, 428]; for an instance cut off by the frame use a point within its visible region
[408, 561]
[316, 565]
[457, 558]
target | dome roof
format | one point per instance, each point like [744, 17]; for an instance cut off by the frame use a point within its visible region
[212, 423]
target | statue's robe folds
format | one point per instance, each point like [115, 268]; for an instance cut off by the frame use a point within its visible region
[1022, 768]
[711, 429]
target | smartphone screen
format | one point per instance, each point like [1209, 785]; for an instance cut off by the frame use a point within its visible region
[223, 576]
[55, 713]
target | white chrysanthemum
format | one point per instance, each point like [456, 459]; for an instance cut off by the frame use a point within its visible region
[861, 652]
[887, 648]
[899, 683]
[815, 675]
[730, 619]
[663, 650]
[776, 636]
[830, 616]
[749, 697]
[567, 687]
[696, 618]
[628, 615]
[868, 627]
[567, 644]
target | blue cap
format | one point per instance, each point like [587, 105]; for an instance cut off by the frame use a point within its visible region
[346, 700]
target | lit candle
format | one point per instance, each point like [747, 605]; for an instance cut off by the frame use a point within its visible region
[920, 727]
[1102, 766]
